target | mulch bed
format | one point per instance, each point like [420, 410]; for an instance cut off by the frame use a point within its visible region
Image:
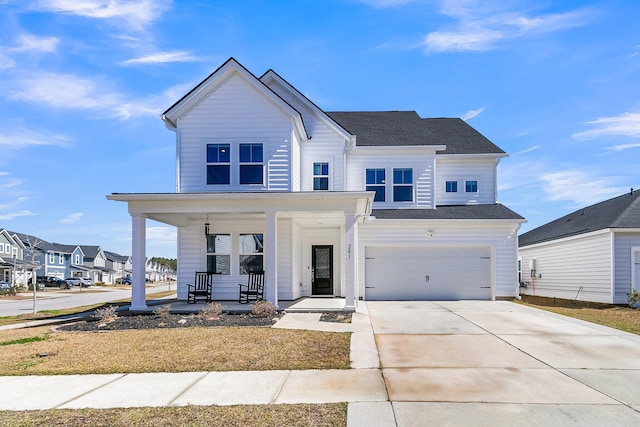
[153, 321]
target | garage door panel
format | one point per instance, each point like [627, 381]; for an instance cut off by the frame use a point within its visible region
[446, 273]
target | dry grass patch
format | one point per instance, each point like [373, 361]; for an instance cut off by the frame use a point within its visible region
[171, 350]
[618, 317]
[229, 416]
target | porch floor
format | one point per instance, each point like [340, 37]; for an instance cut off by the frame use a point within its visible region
[302, 305]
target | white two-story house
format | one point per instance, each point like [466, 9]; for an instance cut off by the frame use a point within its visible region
[361, 205]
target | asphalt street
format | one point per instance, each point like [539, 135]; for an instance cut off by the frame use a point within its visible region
[54, 299]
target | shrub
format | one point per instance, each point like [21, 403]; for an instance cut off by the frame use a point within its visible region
[107, 314]
[263, 309]
[162, 311]
[11, 291]
[211, 311]
[633, 298]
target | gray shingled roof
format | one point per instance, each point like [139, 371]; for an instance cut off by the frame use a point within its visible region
[400, 128]
[619, 212]
[492, 211]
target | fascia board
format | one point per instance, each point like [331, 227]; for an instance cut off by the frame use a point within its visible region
[474, 223]
[473, 156]
[399, 149]
[567, 239]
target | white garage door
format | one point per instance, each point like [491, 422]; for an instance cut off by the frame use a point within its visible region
[449, 273]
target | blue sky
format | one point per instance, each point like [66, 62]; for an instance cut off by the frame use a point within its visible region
[82, 84]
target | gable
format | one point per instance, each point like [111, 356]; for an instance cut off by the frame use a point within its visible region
[216, 81]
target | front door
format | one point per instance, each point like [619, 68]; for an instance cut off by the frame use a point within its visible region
[322, 270]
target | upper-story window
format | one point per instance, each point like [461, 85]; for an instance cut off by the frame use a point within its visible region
[1, 247]
[219, 253]
[251, 164]
[471, 186]
[14, 252]
[321, 176]
[376, 182]
[218, 164]
[61, 259]
[451, 186]
[402, 185]
[77, 259]
[52, 258]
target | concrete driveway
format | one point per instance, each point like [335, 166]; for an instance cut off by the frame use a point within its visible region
[499, 363]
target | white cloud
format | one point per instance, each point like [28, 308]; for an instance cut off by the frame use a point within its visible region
[579, 187]
[622, 147]
[162, 58]
[7, 216]
[162, 235]
[527, 150]
[626, 124]
[68, 91]
[71, 218]
[471, 114]
[30, 42]
[137, 14]
[481, 27]
[24, 138]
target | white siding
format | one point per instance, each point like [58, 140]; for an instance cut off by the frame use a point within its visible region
[326, 145]
[234, 112]
[481, 170]
[423, 175]
[408, 233]
[284, 260]
[623, 242]
[577, 268]
[296, 260]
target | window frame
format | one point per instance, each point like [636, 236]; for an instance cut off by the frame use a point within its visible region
[245, 164]
[61, 259]
[222, 164]
[52, 258]
[322, 175]
[241, 253]
[402, 185]
[376, 185]
[218, 253]
[451, 186]
[473, 184]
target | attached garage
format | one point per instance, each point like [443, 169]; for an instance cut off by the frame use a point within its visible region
[433, 273]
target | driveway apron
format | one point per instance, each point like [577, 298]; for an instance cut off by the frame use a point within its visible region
[501, 363]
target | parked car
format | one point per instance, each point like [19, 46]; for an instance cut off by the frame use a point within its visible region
[88, 281]
[124, 280]
[4, 285]
[52, 281]
[75, 281]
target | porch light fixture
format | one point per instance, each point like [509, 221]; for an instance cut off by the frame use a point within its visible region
[429, 233]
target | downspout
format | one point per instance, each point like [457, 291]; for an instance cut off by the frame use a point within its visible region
[517, 287]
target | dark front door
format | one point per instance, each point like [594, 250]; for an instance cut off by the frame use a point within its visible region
[322, 270]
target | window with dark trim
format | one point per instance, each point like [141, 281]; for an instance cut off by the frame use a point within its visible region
[250, 250]
[471, 186]
[219, 253]
[251, 164]
[218, 164]
[402, 185]
[375, 180]
[451, 186]
[321, 176]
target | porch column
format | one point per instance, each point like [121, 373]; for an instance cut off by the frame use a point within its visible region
[138, 255]
[271, 258]
[351, 230]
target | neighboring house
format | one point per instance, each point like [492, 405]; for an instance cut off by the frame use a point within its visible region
[592, 254]
[118, 263]
[96, 261]
[362, 205]
[53, 259]
[12, 265]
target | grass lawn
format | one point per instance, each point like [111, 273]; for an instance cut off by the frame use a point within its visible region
[39, 351]
[618, 317]
[302, 415]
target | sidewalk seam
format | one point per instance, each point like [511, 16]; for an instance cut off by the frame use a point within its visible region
[89, 391]
[187, 388]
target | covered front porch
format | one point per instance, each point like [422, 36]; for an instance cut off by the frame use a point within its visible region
[230, 234]
[301, 305]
